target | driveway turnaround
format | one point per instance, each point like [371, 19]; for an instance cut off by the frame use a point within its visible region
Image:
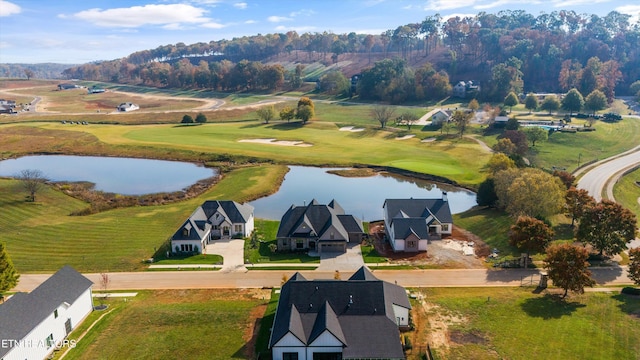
[351, 260]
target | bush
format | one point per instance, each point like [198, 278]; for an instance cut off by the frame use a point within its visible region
[407, 343]
[630, 290]
[187, 119]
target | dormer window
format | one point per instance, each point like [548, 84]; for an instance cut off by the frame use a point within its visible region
[55, 313]
[185, 232]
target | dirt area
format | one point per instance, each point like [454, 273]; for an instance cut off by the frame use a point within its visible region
[445, 253]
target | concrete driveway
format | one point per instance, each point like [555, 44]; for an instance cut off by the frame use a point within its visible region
[348, 261]
[232, 251]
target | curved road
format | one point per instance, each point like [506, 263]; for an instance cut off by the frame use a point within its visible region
[595, 180]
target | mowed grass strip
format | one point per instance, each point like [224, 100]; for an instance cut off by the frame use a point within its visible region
[514, 323]
[185, 324]
[42, 236]
[627, 192]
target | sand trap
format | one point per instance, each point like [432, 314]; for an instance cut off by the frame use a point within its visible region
[428, 140]
[351, 129]
[276, 142]
[405, 137]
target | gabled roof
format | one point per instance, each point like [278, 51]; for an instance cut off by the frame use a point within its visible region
[235, 212]
[196, 225]
[358, 312]
[415, 208]
[403, 227]
[23, 312]
[319, 218]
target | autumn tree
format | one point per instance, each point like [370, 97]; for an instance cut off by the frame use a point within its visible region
[32, 180]
[499, 162]
[473, 105]
[595, 101]
[531, 102]
[287, 113]
[201, 118]
[607, 226]
[566, 177]
[529, 192]
[511, 100]
[576, 202]
[634, 265]
[519, 139]
[8, 274]
[266, 113]
[461, 119]
[187, 119]
[304, 113]
[573, 101]
[530, 234]
[504, 146]
[28, 73]
[550, 104]
[568, 268]
[409, 118]
[535, 133]
[382, 114]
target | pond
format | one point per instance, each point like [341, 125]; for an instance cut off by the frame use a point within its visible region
[362, 197]
[126, 176]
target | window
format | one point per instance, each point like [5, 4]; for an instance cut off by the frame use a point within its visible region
[445, 227]
[332, 236]
[215, 227]
[49, 341]
[55, 313]
[289, 356]
[237, 228]
[185, 232]
[299, 244]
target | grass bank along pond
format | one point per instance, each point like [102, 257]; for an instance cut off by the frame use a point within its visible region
[361, 196]
[126, 176]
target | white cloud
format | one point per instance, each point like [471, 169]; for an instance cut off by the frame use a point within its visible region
[173, 26]
[250, 22]
[8, 9]
[277, 19]
[497, 3]
[135, 16]
[240, 5]
[460, 15]
[298, 29]
[438, 5]
[212, 25]
[568, 3]
[4, 45]
[633, 10]
[304, 12]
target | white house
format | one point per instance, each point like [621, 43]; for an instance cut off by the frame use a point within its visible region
[411, 223]
[33, 325]
[358, 318]
[214, 219]
[127, 107]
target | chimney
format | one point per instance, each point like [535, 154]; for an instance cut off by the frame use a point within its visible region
[444, 196]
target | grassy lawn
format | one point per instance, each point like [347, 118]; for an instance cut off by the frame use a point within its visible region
[267, 230]
[514, 323]
[42, 237]
[186, 324]
[371, 256]
[627, 192]
[262, 340]
[190, 259]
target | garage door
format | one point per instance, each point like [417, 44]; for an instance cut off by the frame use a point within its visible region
[333, 248]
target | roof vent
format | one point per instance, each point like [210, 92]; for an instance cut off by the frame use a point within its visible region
[350, 299]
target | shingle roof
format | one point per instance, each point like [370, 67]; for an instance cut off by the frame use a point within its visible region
[358, 312]
[235, 212]
[420, 208]
[319, 218]
[403, 227]
[23, 312]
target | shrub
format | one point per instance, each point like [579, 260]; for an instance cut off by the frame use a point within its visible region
[407, 343]
[273, 247]
[630, 290]
[187, 119]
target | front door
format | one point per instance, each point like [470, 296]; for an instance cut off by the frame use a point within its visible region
[312, 245]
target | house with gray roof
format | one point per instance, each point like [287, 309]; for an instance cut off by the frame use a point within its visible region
[33, 325]
[411, 223]
[318, 227]
[213, 220]
[358, 318]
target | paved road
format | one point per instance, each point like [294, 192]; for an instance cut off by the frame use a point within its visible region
[261, 278]
[595, 180]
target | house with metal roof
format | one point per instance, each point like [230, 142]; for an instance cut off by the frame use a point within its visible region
[318, 227]
[358, 318]
[213, 220]
[33, 325]
[411, 223]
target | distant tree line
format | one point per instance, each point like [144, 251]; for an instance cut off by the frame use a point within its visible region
[508, 51]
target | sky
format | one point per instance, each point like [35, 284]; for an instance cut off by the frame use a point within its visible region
[76, 32]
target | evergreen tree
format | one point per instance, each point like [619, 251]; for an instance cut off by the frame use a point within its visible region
[8, 274]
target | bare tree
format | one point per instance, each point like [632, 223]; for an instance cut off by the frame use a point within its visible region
[32, 180]
[382, 114]
[104, 285]
[409, 118]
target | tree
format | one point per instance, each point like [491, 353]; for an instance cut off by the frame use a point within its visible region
[595, 101]
[382, 114]
[187, 119]
[530, 234]
[461, 119]
[608, 226]
[305, 101]
[535, 133]
[499, 162]
[504, 146]
[519, 139]
[335, 83]
[201, 118]
[576, 202]
[486, 195]
[566, 178]
[529, 192]
[512, 124]
[8, 274]
[32, 180]
[287, 113]
[266, 113]
[511, 100]
[634, 265]
[573, 101]
[473, 105]
[28, 73]
[550, 104]
[531, 102]
[304, 113]
[409, 118]
[568, 268]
